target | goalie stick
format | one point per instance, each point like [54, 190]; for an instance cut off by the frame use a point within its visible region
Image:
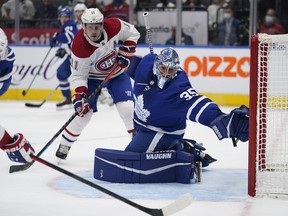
[170, 209]
[22, 167]
[24, 92]
[46, 99]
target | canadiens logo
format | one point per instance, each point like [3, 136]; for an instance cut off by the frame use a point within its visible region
[106, 62]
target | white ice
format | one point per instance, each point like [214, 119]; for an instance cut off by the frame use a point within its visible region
[42, 191]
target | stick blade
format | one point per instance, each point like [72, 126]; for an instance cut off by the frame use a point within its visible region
[17, 168]
[23, 92]
[181, 203]
[33, 105]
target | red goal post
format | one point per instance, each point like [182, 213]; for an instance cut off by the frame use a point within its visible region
[268, 123]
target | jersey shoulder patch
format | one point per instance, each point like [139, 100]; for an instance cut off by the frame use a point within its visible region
[112, 27]
[81, 47]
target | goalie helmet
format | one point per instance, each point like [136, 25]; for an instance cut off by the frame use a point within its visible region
[92, 15]
[3, 44]
[166, 66]
[66, 11]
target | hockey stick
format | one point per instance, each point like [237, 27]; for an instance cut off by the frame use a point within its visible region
[148, 30]
[24, 92]
[172, 208]
[46, 99]
[22, 167]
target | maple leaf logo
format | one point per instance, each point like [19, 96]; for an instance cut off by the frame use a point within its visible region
[141, 113]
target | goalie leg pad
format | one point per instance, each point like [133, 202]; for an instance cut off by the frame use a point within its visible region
[131, 167]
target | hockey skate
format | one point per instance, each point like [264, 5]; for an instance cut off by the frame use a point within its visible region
[62, 151]
[66, 101]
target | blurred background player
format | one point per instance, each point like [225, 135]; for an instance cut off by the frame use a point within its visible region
[94, 56]
[65, 37]
[18, 149]
[7, 58]
[78, 11]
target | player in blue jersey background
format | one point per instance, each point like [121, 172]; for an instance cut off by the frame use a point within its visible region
[7, 58]
[65, 37]
[165, 99]
[17, 147]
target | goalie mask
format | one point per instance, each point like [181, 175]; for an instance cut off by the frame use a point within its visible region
[3, 44]
[166, 66]
[92, 20]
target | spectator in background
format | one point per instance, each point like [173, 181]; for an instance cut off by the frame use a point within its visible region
[144, 5]
[118, 8]
[270, 24]
[215, 16]
[229, 29]
[166, 5]
[93, 4]
[46, 11]
[185, 39]
[78, 11]
[193, 5]
[215, 13]
[26, 9]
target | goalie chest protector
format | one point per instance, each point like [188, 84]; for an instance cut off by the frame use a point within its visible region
[130, 167]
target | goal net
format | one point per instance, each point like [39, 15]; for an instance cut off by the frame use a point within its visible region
[268, 126]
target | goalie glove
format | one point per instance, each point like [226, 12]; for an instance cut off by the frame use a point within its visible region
[19, 150]
[234, 125]
[80, 101]
[125, 54]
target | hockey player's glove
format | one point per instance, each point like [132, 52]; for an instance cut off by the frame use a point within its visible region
[125, 54]
[60, 53]
[80, 101]
[53, 40]
[233, 125]
[19, 150]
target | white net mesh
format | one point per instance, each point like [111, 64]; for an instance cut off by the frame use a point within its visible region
[272, 116]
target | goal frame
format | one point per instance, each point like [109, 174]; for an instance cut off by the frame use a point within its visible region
[252, 115]
[262, 100]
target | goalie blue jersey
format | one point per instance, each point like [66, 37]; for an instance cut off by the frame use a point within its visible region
[166, 110]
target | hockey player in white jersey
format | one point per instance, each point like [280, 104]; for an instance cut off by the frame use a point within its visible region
[94, 55]
[165, 99]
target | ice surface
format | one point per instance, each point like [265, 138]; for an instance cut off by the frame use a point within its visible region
[42, 191]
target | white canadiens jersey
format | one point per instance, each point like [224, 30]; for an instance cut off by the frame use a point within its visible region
[96, 60]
